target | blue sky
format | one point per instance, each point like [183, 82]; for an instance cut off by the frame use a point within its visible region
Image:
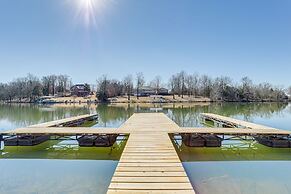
[157, 37]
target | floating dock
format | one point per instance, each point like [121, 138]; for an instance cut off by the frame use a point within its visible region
[69, 122]
[231, 122]
[233, 131]
[149, 162]
[37, 134]
[264, 135]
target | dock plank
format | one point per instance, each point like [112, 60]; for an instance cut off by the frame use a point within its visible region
[112, 191]
[151, 186]
[151, 180]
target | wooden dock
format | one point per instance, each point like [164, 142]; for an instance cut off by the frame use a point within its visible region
[63, 131]
[39, 133]
[149, 162]
[231, 122]
[60, 122]
[233, 131]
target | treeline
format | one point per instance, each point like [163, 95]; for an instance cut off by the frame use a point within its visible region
[224, 89]
[31, 87]
[181, 84]
[194, 85]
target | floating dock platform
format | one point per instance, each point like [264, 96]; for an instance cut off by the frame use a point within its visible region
[149, 162]
[264, 135]
[36, 134]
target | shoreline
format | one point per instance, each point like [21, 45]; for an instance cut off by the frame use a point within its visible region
[163, 99]
[145, 102]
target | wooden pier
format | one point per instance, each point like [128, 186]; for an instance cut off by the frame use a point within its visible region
[264, 135]
[149, 162]
[234, 123]
[66, 121]
[39, 133]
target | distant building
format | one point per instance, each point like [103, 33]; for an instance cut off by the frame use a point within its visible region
[80, 90]
[148, 91]
[163, 91]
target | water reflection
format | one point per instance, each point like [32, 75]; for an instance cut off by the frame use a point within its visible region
[232, 150]
[67, 149]
[240, 177]
[113, 116]
[55, 176]
[19, 115]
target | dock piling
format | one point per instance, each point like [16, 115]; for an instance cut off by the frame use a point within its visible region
[1, 142]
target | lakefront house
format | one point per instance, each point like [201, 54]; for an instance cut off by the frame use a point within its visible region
[148, 91]
[79, 90]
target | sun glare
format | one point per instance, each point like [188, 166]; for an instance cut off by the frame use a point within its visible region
[88, 12]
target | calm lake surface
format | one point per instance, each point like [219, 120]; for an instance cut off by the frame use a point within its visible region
[63, 167]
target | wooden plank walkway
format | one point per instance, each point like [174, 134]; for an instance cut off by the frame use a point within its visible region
[233, 131]
[96, 131]
[62, 131]
[149, 162]
[234, 122]
[63, 121]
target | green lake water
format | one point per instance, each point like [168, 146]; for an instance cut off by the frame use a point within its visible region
[63, 167]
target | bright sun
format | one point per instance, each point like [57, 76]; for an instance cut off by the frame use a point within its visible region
[89, 11]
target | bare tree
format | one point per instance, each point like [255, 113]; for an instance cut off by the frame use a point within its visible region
[53, 79]
[182, 82]
[156, 83]
[62, 81]
[139, 83]
[33, 87]
[195, 82]
[172, 83]
[220, 88]
[289, 91]
[102, 89]
[128, 85]
[206, 83]
[247, 88]
[191, 84]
